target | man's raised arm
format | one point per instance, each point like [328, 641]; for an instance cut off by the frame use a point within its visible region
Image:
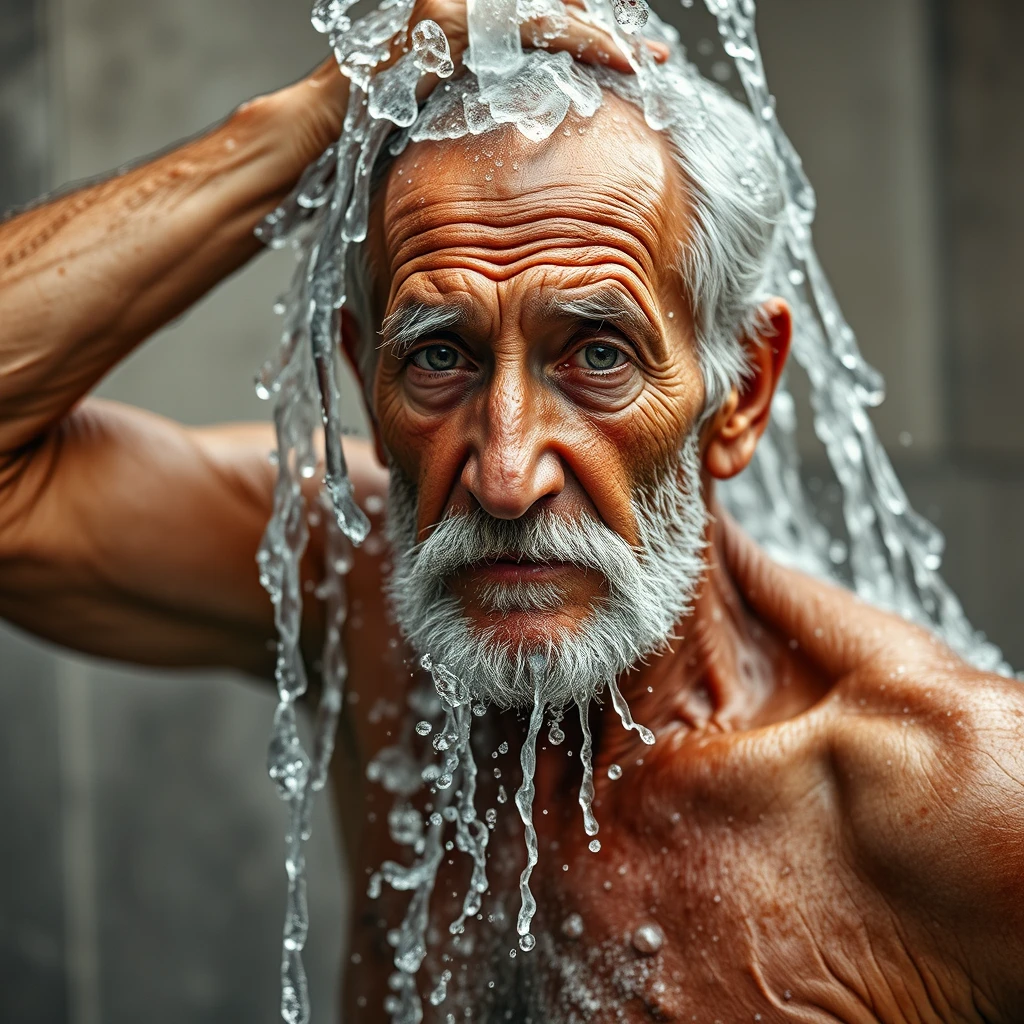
[122, 533]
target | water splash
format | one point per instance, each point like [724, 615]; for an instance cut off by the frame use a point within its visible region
[626, 716]
[524, 802]
[590, 824]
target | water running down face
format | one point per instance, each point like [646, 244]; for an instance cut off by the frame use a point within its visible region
[537, 395]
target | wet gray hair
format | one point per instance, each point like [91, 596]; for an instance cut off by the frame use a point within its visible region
[735, 199]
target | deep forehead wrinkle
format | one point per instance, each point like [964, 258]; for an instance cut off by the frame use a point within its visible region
[605, 190]
[611, 222]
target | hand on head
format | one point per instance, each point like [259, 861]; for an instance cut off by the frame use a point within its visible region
[572, 33]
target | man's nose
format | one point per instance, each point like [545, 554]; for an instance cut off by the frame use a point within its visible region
[513, 463]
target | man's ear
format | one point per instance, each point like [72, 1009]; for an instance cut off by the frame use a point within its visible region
[732, 435]
[351, 339]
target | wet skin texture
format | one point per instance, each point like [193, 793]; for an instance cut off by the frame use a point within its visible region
[829, 826]
[849, 789]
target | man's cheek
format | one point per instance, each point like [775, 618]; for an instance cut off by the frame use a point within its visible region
[431, 455]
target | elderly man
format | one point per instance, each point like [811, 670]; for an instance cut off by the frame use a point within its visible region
[829, 825]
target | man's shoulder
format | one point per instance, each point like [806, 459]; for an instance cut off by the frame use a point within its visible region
[929, 764]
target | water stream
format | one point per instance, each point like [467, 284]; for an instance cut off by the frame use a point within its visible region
[885, 550]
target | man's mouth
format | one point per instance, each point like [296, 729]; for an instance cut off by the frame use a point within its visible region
[510, 570]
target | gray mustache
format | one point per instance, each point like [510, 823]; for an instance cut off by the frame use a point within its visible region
[467, 538]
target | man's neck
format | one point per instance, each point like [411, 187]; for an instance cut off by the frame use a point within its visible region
[724, 672]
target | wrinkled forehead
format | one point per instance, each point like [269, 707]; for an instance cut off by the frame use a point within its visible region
[608, 179]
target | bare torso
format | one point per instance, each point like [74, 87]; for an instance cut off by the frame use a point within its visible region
[794, 858]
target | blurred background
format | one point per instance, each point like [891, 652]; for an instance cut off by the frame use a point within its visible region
[140, 841]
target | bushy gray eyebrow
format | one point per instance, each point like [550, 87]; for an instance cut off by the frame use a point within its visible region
[606, 304]
[410, 321]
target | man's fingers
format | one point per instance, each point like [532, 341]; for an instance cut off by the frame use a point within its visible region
[587, 42]
[834, 628]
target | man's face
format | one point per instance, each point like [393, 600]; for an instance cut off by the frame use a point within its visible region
[559, 379]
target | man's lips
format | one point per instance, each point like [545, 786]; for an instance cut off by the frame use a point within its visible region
[512, 570]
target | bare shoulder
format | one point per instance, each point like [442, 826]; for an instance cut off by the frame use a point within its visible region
[929, 766]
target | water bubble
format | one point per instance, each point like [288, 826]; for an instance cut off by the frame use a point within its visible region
[572, 926]
[648, 938]
[837, 552]
[423, 728]
[595, 846]
[614, 772]
[440, 993]
[630, 14]
[430, 46]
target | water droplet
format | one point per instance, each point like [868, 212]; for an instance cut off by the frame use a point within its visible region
[614, 772]
[572, 926]
[595, 846]
[630, 14]
[648, 939]
[527, 942]
[423, 728]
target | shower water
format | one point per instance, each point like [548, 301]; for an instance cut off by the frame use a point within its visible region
[887, 553]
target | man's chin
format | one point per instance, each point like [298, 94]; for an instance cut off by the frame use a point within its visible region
[529, 629]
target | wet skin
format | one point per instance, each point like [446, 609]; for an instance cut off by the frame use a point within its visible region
[799, 831]
[849, 789]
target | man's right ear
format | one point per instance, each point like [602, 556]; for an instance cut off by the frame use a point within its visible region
[351, 340]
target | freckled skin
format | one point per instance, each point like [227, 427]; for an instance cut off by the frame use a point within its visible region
[830, 824]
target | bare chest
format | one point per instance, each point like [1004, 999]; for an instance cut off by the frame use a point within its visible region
[705, 902]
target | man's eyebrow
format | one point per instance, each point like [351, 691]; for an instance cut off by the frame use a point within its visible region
[410, 321]
[608, 304]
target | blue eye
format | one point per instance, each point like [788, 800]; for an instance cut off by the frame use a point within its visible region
[437, 358]
[602, 357]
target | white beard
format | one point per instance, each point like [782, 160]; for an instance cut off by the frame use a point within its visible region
[650, 588]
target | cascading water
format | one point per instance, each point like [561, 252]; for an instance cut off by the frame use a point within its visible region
[889, 554]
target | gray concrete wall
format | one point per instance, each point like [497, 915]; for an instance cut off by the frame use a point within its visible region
[141, 843]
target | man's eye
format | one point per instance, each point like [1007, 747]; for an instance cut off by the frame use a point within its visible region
[437, 358]
[600, 357]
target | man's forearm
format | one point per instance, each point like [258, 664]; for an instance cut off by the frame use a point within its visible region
[85, 278]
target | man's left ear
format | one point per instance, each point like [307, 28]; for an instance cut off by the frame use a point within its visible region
[733, 433]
